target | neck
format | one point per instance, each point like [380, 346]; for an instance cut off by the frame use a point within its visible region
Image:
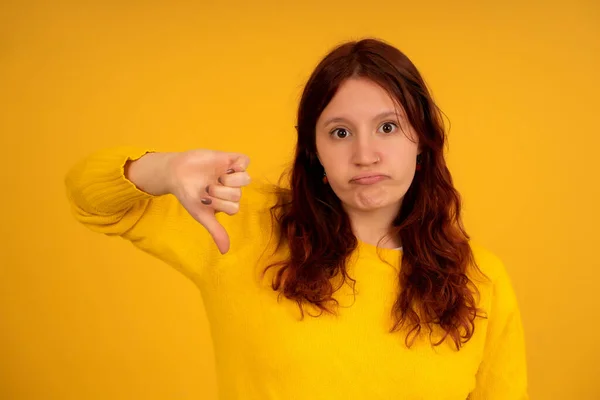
[374, 226]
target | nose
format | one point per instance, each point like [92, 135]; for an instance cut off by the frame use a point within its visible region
[364, 152]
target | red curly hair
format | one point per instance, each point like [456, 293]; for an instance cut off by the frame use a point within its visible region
[310, 219]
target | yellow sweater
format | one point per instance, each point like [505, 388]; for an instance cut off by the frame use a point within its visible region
[263, 350]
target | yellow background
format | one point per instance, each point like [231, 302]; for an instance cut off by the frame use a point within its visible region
[87, 317]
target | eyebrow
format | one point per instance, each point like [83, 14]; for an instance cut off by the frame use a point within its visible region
[378, 116]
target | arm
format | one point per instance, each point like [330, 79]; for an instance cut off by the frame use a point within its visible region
[123, 192]
[105, 200]
[155, 200]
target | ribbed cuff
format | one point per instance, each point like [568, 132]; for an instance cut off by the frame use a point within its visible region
[99, 184]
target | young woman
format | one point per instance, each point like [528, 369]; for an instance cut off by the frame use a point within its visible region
[355, 279]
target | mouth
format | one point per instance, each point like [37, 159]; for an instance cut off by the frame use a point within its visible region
[368, 179]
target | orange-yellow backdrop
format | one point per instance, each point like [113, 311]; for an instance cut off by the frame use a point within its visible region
[88, 317]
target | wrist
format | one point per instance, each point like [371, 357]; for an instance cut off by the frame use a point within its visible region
[151, 173]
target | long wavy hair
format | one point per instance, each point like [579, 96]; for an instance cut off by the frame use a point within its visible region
[309, 218]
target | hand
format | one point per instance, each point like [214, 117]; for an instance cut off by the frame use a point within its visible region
[206, 182]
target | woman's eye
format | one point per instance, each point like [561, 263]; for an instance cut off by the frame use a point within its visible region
[340, 133]
[388, 127]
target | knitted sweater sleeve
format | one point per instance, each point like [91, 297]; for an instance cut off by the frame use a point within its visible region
[105, 201]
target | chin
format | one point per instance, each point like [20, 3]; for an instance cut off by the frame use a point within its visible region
[366, 202]
[371, 198]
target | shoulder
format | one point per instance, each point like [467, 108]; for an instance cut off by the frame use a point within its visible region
[488, 262]
[496, 285]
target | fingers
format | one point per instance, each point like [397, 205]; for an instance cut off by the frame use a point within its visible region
[225, 197]
[228, 207]
[224, 192]
[234, 179]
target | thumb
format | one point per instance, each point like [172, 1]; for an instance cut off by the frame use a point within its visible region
[216, 230]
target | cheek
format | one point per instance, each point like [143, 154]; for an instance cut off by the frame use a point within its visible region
[334, 160]
[402, 169]
[400, 157]
[338, 173]
[406, 165]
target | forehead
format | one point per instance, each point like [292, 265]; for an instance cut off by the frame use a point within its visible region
[359, 98]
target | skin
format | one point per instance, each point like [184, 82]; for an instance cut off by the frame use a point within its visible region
[364, 131]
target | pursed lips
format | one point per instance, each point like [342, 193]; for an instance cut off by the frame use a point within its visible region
[368, 179]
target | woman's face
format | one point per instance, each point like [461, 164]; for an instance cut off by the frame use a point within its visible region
[367, 150]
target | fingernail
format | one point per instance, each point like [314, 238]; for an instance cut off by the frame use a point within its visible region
[206, 201]
[207, 188]
[230, 171]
